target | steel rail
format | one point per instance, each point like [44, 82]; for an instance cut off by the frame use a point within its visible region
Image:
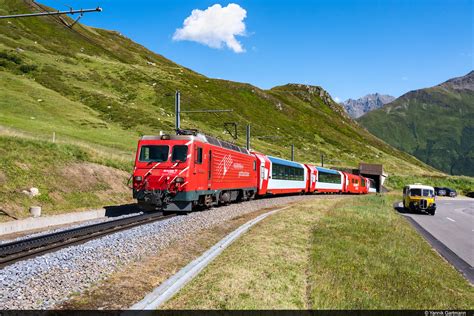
[27, 248]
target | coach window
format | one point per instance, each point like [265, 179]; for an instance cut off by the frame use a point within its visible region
[327, 177]
[180, 153]
[199, 156]
[291, 173]
[153, 153]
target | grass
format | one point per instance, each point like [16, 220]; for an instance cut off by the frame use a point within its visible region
[69, 177]
[461, 184]
[356, 253]
[368, 256]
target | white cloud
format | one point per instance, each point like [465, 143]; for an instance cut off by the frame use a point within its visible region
[214, 27]
[337, 99]
[404, 78]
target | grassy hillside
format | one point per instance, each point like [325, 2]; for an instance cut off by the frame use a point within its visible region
[99, 91]
[67, 177]
[434, 124]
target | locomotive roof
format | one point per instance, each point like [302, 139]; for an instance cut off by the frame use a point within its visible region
[202, 138]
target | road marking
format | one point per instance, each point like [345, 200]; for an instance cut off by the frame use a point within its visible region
[452, 220]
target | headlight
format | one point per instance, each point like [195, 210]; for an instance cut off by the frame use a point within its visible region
[138, 178]
[179, 180]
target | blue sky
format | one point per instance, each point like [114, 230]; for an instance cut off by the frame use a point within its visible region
[350, 48]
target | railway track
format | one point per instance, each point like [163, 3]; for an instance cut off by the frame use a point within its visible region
[27, 248]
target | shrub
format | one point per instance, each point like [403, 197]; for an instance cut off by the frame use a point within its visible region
[27, 68]
[11, 57]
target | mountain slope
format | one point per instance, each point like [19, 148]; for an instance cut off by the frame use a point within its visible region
[99, 91]
[370, 102]
[435, 124]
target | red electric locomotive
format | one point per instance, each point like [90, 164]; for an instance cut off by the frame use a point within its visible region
[180, 172]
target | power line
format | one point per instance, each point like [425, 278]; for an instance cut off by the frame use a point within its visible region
[27, 15]
[206, 111]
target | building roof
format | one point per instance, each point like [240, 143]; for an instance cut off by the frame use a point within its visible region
[370, 168]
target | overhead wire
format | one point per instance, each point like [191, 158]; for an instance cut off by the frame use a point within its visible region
[91, 41]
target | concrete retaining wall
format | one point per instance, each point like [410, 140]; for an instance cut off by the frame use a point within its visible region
[47, 221]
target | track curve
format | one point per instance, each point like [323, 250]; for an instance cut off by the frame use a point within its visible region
[27, 248]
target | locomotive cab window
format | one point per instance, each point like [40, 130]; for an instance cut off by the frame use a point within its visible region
[154, 153]
[180, 153]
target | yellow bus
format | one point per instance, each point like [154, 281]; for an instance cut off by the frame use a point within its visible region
[418, 197]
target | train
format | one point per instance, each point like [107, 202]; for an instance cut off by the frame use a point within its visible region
[190, 170]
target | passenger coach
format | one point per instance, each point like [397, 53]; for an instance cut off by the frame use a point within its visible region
[329, 181]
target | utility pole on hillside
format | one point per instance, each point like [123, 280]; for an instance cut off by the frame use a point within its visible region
[177, 107]
[248, 136]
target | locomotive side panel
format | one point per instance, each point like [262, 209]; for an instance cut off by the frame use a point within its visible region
[232, 170]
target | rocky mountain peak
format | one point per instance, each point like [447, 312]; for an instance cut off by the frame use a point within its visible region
[357, 108]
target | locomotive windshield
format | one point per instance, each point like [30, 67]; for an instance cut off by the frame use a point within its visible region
[154, 153]
[180, 153]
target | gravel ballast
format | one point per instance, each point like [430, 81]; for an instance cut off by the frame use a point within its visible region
[69, 226]
[48, 280]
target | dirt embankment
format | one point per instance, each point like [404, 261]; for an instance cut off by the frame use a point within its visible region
[68, 187]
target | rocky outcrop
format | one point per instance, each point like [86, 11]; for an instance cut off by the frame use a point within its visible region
[460, 83]
[313, 95]
[357, 108]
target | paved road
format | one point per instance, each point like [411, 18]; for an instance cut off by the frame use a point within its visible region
[452, 225]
